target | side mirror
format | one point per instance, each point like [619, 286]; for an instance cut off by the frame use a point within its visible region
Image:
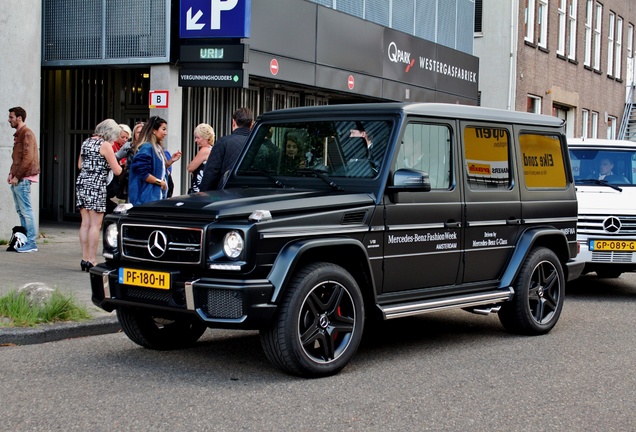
[410, 179]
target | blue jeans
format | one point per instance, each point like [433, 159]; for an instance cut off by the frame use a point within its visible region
[22, 199]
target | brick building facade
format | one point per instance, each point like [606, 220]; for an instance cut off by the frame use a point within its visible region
[568, 58]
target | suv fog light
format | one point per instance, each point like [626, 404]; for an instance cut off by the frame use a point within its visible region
[233, 244]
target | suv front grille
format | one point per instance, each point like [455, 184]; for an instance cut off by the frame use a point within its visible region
[594, 225]
[174, 298]
[162, 244]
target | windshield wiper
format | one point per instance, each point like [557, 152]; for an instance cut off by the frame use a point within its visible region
[255, 172]
[599, 182]
[320, 173]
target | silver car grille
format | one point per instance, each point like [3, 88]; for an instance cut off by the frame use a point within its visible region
[160, 243]
[597, 224]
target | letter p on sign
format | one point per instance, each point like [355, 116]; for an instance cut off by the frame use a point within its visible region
[219, 6]
[158, 99]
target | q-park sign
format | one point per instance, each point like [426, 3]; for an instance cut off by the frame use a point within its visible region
[215, 18]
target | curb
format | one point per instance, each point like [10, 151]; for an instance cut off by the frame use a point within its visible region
[58, 331]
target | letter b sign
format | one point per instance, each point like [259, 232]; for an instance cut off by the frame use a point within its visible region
[158, 99]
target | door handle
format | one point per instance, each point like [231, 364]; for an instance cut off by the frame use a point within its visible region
[513, 222]
[453, 225]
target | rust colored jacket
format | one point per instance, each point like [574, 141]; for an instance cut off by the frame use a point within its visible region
[26, 158]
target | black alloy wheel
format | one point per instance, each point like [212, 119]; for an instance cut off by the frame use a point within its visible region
[319, 324]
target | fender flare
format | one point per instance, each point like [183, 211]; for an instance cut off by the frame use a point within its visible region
[523, 248]
[292, 253]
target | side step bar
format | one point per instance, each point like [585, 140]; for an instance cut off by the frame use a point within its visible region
[463, 301]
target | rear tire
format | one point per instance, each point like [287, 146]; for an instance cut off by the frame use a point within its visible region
[159, 333]
[319, 323]
[539, 293]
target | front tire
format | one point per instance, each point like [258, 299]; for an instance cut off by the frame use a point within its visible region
[539, 293]
[319, 324]
[159, 333]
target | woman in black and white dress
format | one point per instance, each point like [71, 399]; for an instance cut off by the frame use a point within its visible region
[96, 159]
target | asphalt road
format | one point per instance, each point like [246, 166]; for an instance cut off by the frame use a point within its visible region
[450, 371]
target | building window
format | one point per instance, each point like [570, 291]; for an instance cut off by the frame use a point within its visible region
[611, 127]
[572, 12]
[529, 21]
[610, 45]
[588, 32]
[630, 41]
[597, 37]
[585, 123]
[534, 104]
[478, 16]
[543, 24]
[618, 54]
[562, 29]
[594, 125]
[403, 16]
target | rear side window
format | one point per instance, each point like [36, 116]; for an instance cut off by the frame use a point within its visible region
[487, 157]
[543, 165]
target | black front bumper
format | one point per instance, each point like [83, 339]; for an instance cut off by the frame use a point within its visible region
[220, 303]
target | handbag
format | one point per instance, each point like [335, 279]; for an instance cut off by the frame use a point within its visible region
[113, 187]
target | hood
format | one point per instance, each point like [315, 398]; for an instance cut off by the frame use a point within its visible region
[227, 203]
[605, 200]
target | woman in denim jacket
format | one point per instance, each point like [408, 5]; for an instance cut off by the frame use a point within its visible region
[148, 171]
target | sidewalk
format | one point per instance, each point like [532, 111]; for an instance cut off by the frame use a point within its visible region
[56, 264]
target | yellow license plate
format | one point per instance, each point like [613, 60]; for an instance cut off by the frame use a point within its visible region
[144, 278]
[613, 245]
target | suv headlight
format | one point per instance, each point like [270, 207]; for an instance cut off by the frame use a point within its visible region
[111, 234]
[233, 244]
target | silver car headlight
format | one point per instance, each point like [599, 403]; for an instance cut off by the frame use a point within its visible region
[233, 244]
[111, 234]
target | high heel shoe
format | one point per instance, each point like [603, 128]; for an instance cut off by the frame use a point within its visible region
[89, 265]
[84, 265]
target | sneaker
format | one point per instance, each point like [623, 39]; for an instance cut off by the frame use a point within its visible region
[27, 248]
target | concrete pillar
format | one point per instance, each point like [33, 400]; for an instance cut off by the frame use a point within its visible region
[165, 77]
[20, 86]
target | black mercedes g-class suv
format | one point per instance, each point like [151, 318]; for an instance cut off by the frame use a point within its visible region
[334, 215]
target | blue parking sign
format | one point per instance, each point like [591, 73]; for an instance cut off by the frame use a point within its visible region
[214, 18]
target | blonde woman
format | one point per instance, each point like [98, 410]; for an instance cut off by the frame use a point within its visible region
[95, 160]
[204, 138]
[116, 184]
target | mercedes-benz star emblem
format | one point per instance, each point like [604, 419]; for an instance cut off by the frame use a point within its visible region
[157, 244]
[612, 224]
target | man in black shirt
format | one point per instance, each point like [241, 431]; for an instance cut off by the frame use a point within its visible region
[226, 150]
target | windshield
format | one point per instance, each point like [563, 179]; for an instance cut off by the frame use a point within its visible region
[334, 148]
[600, 166]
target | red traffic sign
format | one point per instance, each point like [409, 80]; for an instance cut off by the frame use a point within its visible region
[351, 82]
[158, 99]
[273, 66]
